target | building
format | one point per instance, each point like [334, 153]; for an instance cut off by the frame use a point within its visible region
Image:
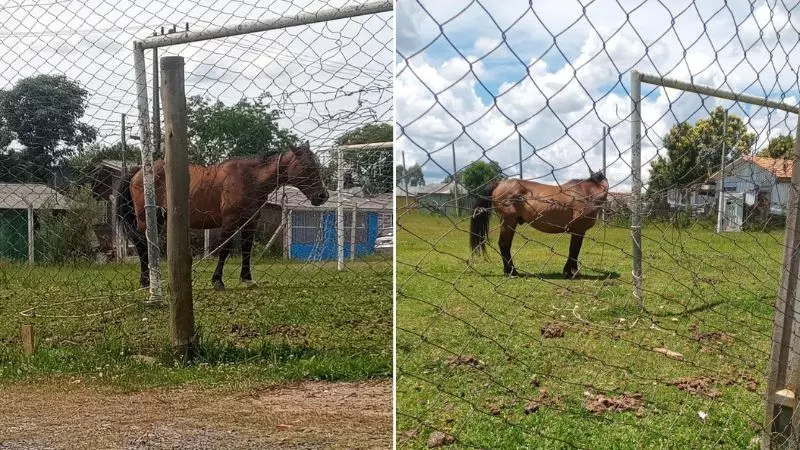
[759, 180]
[105, 184]
[438, 198]
[19, 206]
[311, 229]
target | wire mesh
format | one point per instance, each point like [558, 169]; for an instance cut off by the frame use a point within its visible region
[489, 94]
[70, 144]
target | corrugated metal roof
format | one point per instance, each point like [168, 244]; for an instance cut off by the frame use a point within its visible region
[23, 195]
[350, 197]
[782, 169]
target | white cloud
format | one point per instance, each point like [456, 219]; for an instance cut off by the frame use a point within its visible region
[325, 78]
[577, 83]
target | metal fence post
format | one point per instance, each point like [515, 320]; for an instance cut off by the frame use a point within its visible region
[179, 257]
[150, 206]
[636, 188]
[455, 180]
[339, 210]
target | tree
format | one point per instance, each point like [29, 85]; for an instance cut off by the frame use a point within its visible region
[478, 174]
[370, 169]
[781, 147]
[43, 114]
[218, 132]
[413, 176]
[693, 151]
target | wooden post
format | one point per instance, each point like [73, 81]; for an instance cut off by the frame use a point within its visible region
[31, 249]
[28, 338]
[179, 255]
[783, 379]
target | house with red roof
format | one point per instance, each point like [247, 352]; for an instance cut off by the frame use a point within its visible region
[758, 180]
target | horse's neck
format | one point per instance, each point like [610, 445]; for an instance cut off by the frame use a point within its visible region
[271, 175]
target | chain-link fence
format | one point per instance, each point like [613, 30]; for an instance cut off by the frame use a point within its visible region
[637, 309]
[272, 91]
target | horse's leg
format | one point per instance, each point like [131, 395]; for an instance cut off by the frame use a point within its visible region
[506, 237]
[247, 246]
[224, 251]
[571, 267]
[144, 267]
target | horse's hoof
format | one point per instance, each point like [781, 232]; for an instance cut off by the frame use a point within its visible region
[249, 284]
[219, 286]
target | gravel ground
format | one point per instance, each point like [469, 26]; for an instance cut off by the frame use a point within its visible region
[301, 416]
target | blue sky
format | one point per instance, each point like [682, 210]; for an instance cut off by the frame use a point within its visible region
[559, 111]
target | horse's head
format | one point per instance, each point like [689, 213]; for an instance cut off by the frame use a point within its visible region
[304, 173]
[599, 189]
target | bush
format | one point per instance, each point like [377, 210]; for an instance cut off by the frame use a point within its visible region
[68, 235]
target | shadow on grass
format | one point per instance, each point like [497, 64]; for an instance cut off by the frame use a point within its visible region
[601, 276]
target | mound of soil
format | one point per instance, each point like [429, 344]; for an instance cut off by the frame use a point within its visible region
[702, 386]
[552, 330]
[599, 403]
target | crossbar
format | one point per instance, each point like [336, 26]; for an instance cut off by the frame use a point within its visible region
[328, 14]
[716, 92]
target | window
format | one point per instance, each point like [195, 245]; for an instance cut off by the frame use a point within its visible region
[307, 227]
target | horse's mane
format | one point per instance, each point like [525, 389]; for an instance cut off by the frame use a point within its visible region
[598, 177]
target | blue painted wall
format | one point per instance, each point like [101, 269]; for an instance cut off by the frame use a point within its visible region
[326, 250]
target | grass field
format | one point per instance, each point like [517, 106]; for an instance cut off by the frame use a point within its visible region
[304, 321]
[480, 356]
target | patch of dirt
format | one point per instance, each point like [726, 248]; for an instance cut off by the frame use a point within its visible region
[301, 416]
[747, 380]
[599, 403]
[465, 360]
[244, 331]
[543, 399]
[288, 330]
[438, 439]
[710, 337]
[702, 386]
[553, 330]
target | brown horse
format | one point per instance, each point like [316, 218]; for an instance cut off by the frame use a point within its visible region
[228, 195]
[569, 208]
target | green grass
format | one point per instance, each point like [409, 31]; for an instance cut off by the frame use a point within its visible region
[723, 283]
[302, 321]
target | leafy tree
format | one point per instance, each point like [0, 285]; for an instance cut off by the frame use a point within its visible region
[218, 132]
[415, 176]
[693, 151]
[371, 169]
[43, 114]
[478, 174]
[781, 147]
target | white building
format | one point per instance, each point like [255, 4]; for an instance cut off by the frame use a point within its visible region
[759, 180]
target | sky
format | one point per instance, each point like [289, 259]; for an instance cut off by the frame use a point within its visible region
[493, 77]
[325, 78]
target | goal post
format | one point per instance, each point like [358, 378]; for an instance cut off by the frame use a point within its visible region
[340, 228]
[784, 368]
[177, 37]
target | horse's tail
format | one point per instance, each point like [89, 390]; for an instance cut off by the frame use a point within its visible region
[126, 211]
[479, 223]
